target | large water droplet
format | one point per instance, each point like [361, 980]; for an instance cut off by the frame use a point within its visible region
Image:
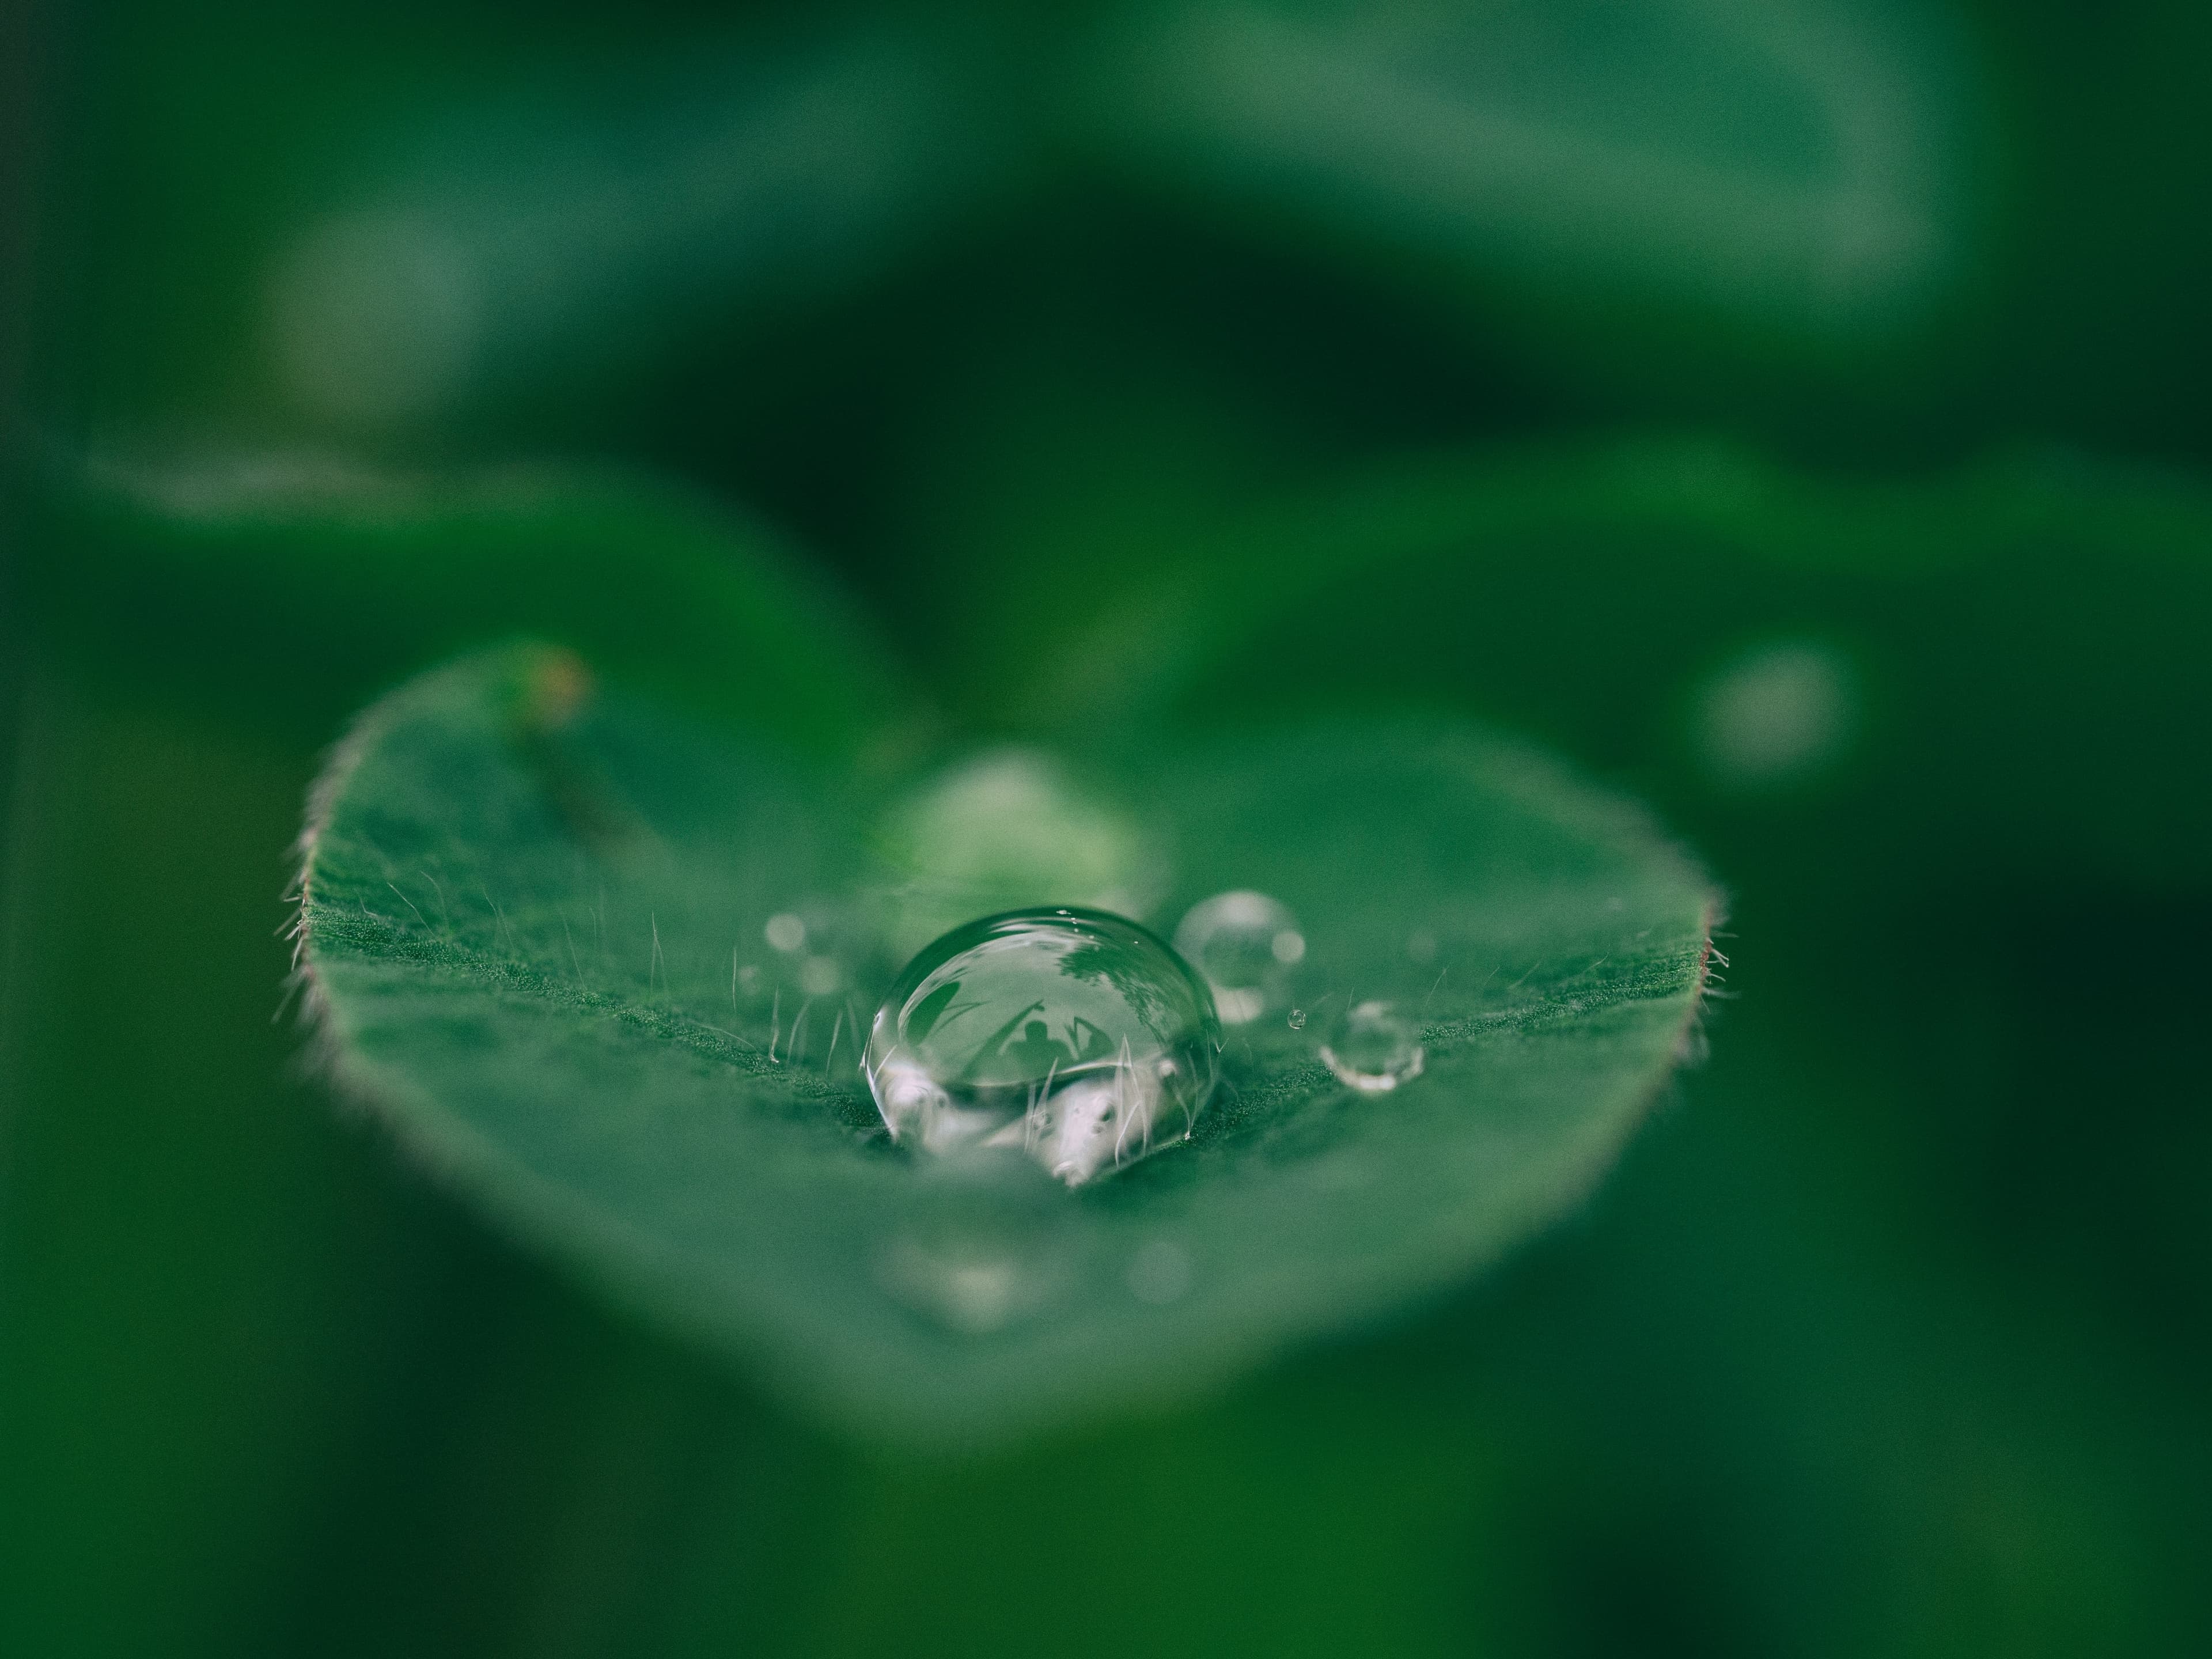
[1246, 944]
[1374, 1049]
[1074, 1035]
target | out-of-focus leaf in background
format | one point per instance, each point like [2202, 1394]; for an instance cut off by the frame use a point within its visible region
[462, 237]
[1808, 171]
[291, 587]
[1920, 674]
[508, 253]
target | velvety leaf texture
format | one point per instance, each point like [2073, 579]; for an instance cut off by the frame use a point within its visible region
[610, 974]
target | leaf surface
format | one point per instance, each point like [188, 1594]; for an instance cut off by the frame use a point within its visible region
[1707, 148]
[536, 919]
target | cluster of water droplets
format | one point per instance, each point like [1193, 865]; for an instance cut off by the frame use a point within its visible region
[1078, 1041]
[1250, 947]
[1065, 1039]
[1082, 1041]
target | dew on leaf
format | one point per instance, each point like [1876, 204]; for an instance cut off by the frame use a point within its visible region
[1073, 1036]
[1245, 944]
[690, 1142]
[1374, 1049]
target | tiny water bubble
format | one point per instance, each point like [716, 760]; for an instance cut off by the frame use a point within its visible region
[1074, 1037]
[1245, 944]
[1374, 1049]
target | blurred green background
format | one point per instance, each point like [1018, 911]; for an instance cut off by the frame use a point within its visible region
[1792, 412]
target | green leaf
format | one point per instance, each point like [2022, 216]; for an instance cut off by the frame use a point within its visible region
[467, 243]
[535, 922]
[1999, 649]
[296, 588]
[1798, 166]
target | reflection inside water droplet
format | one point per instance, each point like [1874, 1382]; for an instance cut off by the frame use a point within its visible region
[977, 1253]
[1245, 944]
[1374, 1049]
[1073, 1035]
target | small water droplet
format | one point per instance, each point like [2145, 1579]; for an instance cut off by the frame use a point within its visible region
[1073, 1035]
[786, 931]
[1297, 1020]
[1374, 1049]
[1244, 943]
